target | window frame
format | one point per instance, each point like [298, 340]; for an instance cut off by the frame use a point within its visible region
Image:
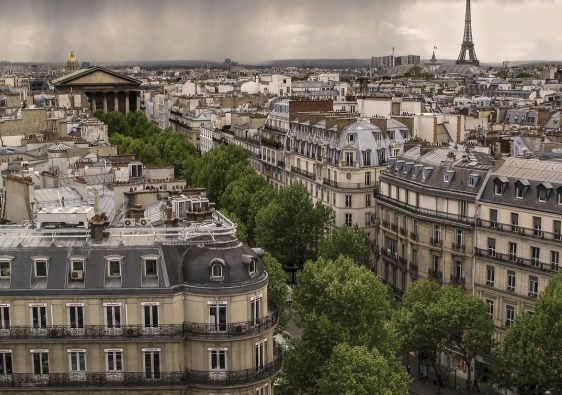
[6, 261]
[112, 259]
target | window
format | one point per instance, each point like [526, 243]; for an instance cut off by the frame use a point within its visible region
[556, 225]
[255, 310]
[40, 361]
[559, 198]
[150, 267]
[77, 361]
[498, 188]
[533, 286]
[509, 315]
[216, 271]
[490, 275]
[463, 208]
[5, 316]
[263, 390]
[5, 271]
[436, 263]
[555, 260]
[150, 314]
[510, 280]
[459, 238]
[519, 192]
[260, 354]
[39, 315]
[114, 268]
[252, 266]
[113, 316]
[368, 200]
[491, 246]
[490, 304]
[114, 360]
[349, 219]
[535, 256]
[217, 316]
[542, 195]
[217, 359]
[75, 315]
[493, 218]
[537, 226]
[348, 201]
[437, 233]
[367, 219]
[351, 138]
[40, 268]
[151, 363]
[512, 251]
[368, 178]
[349, 158]
[471, 181]
[514, 222]
[6, 362]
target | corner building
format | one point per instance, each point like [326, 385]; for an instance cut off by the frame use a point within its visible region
[134, 310]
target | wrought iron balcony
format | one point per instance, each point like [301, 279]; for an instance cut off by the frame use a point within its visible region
[386, 224]
[435, 275]
[515, 260]
[538, 233]
[423, 212]
[394, 227]
[131, 332]
[141, 379]
[458, 246]
[403, 231]
[414, 236]
[455, 280]
[302, 172]
[346, 185]
[436, 242]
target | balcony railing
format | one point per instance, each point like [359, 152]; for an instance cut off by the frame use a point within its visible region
[435, 274]
[142, 379]
[436, 242]
[346, 185]
[424, 211]
[515, 228]
[414, 236]
[386, 224]
[458, 246]
[303, 173]
[514, 259]
[403, 231]
[455, 280]
[131, 332]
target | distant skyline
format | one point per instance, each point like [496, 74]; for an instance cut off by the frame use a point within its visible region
[253, 31]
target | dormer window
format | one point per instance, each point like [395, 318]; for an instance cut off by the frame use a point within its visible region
[426, 173]
[5, 269]
[544, 190]
[114, 266]
[519, 192]
[40, 268]
[499, 185]
[559, 199]
[448, 176]
[252, 267]
[77, 269]
[150, 267]
[542, 195]
[217, 270]
[351, 138]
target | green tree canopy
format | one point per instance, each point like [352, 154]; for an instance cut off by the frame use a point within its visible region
[358, 371]
[530, 358]
[432, 319]
[277, 289]
[351, 242]
[292, 226]
[337, 302]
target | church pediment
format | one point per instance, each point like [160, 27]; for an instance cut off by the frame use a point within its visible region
[95, 76]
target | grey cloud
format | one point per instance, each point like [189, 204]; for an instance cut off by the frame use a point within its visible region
[255, 30]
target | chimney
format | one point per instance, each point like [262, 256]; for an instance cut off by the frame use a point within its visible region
[98, 225]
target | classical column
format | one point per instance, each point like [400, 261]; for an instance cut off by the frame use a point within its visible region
[126, 103]
[93, 100]
[115, 101]
[104, 101]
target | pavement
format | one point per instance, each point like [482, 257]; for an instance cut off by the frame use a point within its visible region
[426, 387]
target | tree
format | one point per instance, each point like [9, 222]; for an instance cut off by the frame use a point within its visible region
[277, 289]
[291, 226]
[433, 319]
[213, 170]
[351, 242]
[529, 360]
[241, 231]
[358, 371]
[337, 302]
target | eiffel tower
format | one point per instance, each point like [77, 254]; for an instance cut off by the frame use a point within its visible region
[467, 44]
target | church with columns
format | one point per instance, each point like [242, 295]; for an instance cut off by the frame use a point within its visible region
[105, 89]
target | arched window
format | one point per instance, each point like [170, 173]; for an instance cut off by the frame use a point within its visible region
[252, 266]
[217, 270]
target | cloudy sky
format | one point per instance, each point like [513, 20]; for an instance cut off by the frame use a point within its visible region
[259, 30]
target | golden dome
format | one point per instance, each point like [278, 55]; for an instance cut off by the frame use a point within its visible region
[72, 58]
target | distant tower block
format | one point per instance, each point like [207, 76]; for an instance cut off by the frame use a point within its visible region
[72, 63]
[467, 44]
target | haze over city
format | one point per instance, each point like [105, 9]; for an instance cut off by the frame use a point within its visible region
[255, 31]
